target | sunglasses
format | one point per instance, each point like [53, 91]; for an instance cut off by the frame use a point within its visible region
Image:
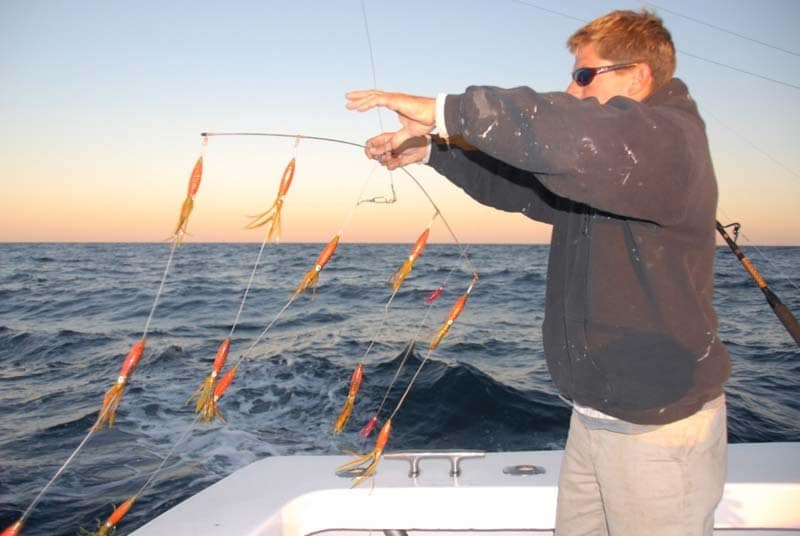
[585, 75]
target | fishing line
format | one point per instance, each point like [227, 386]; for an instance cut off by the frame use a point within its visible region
[721, 29]
[371, 58]
[396, 281]
[247, 287]
[171, 451]
[738, 70]
[360, 199]
[777, 162]
[267, 233]
[377, 199]
[551, 11]
[685, 53]
[113, 396]
[217, 389]
[751, 143]
[783, 313]
[365, 465]
[206, 393]
[431, 349]
[783, 275]
[411, 344]
[160, 288]
[264, 332]
[60, 470]
[379, 329]
[461, 247]
[311, 276]
[296, 294]
[55, 477]
[176, 240]
[119, 512]
[338, 235]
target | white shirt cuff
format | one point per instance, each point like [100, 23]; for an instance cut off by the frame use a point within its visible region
[441, 128]
[427, 157]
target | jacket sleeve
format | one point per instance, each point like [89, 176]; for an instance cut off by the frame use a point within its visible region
[625, 157]
[490, 181]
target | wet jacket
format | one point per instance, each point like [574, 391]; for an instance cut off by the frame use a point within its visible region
[629, 189]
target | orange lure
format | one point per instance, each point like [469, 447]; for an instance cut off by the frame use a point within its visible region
[397, 278]
[273, 214]
[451, 318]
[219, 390]
[188, 203]
[13, 529]
[113, 396]
[113, 520]
[206, 405]
[312, 276]
[369, 462]
[355, 385]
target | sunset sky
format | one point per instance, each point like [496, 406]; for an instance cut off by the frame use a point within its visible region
[102, 105]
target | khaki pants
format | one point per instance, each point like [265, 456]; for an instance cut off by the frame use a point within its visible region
[665, 482]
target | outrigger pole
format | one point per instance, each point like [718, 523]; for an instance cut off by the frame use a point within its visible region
[783, 313]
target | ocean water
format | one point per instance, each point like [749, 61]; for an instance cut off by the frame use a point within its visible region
[69, 313]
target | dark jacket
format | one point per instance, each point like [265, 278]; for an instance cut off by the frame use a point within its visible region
[629, 188]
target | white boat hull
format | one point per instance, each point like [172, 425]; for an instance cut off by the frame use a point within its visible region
[302, 495]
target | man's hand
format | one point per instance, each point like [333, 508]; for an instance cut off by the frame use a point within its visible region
[411, 151]
[417, 116]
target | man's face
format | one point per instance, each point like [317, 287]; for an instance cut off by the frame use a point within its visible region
[604, 86]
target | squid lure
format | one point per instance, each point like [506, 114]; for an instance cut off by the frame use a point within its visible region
[272, 215]
[312, 276]
[206, 405]
[113, 396]
[188, 202]
[347, 410]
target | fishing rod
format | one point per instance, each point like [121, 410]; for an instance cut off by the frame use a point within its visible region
[781, 311]
[414, 179]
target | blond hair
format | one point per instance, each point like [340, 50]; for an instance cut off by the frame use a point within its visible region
[630, 36]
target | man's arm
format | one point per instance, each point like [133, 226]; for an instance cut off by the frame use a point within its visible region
[490, 181]
[624, 157]
[486, 179]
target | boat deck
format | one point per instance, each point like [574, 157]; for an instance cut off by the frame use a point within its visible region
[302, 495]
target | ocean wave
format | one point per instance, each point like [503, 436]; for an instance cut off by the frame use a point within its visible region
[67, 324]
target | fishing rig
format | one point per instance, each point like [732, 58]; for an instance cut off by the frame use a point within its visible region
[215, 384]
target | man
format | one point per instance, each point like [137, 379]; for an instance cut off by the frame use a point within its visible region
[619, 165]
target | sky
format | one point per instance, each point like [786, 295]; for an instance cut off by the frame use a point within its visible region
[102, 105]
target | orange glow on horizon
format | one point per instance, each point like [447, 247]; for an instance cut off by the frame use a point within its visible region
[130, 200]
